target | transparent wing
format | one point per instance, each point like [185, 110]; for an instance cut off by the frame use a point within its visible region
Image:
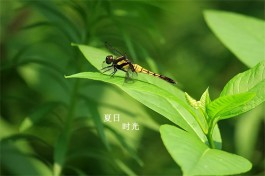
[113, 50]
[131, 75]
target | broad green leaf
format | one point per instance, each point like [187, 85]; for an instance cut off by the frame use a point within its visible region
[153, 92]
[157, 99]
[243, 35]
[252, 80]
[96, 57]
[224, 107]
[195, 158]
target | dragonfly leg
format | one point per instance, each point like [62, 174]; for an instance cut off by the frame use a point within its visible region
[108, 68]
[112, 74]
[127, 76]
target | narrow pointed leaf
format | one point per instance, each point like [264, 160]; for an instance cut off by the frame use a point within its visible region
[192, 102]
[205, 99]
[37, 115]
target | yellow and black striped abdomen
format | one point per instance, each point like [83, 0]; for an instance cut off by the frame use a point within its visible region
[140, 69]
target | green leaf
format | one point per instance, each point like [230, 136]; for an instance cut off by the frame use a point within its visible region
[160, 96]
[198, 111]
[124, 167]
[60, 150]
[195, 158]
[243, 35]
[24, 155]
[205, 99]
[157, 99]
[97, 121]
[37, 115]
[224, 107]
[192, 102]
[125, 145]
[252, 80]
[58, 19]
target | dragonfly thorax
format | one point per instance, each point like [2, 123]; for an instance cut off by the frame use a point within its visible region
[109, 59]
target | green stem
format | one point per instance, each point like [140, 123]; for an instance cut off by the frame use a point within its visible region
[205, 127]
[201, 125]
[210, 133]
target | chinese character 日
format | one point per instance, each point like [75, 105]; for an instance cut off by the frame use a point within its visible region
[116, 118]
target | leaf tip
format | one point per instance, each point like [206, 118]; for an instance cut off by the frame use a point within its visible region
[74, 44]
[207, 12]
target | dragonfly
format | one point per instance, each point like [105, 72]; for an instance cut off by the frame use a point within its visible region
[121, 62]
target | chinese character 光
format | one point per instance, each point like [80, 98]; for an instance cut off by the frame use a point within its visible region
[135, 126]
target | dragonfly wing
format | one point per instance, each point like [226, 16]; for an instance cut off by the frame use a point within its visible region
[131, 75]
[113, 50]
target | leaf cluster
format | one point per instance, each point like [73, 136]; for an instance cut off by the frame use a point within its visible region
[197, 149]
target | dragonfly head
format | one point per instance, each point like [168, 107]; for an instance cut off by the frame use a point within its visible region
[109, 59]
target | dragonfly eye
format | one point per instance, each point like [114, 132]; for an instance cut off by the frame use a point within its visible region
[109, 59]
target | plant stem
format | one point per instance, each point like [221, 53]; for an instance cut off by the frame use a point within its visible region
[210, 133]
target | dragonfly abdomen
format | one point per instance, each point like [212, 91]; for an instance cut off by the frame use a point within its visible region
[140, 69]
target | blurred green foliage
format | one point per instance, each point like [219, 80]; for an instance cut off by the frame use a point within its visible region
[53, 125]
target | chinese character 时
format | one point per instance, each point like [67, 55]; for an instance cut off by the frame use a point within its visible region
[126, 126]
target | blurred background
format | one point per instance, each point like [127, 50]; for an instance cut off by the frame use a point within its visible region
[50, 124]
